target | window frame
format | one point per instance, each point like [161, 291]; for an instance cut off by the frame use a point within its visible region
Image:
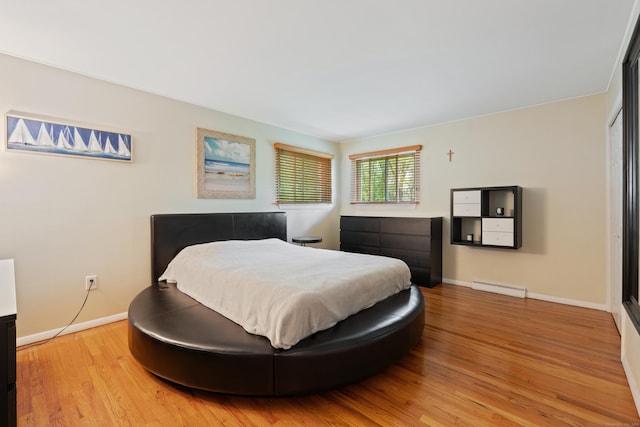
[394, 154]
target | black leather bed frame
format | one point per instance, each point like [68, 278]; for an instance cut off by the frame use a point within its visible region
[178, 339]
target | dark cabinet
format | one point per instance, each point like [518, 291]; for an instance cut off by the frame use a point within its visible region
[416, 241]
[8, 370]
[7, 344]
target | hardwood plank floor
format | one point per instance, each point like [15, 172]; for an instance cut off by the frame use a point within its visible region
[484, 360]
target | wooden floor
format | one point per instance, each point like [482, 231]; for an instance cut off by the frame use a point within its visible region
[484, 360]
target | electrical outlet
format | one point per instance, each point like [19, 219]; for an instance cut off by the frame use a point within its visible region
[90, 282]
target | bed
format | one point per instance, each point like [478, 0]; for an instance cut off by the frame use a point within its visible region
[178, 339]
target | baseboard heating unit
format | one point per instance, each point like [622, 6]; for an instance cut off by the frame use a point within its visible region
[512, 291]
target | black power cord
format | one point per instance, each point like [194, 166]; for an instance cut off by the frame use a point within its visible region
[86, 297]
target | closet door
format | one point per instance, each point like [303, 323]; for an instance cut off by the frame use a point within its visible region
[615, 218]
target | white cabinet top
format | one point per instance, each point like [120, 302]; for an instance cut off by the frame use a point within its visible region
[7, 288]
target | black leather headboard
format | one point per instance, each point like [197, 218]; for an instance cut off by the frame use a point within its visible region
[170, 233]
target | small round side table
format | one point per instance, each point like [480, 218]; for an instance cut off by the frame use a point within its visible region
[305, 240]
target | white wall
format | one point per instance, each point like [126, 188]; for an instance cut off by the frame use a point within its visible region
[556, 152]
[64, 218]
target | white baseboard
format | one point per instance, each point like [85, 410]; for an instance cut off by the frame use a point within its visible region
[542, 297]
[635, 391]
[29, 339]
[512, 291]
[456, 282]
[567, 301]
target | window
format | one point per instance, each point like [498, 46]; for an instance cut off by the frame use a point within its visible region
[387, 176]
[302, 176]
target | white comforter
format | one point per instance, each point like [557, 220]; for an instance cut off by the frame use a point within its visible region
[282, 291]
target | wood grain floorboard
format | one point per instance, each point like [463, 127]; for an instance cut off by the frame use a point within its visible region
[484, 360]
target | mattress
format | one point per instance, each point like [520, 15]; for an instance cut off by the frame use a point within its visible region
[282, 291]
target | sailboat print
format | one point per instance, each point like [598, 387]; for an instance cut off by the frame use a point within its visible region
[94, 144]
[78, 143]
[21, 134]
[42, 136]
[122, 148]
[108, 147]
[64, 138]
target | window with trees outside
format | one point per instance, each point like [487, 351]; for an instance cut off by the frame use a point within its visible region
[386, 176]
[302, 176]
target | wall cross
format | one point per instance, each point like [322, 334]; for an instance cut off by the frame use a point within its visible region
[450, 154]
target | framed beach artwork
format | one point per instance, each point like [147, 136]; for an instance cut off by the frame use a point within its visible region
[36, 134]
[226, 165]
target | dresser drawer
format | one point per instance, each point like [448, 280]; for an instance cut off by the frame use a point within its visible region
[497, 238]
[466, 209]
[497, 224]
[472, 196]
[11, 353]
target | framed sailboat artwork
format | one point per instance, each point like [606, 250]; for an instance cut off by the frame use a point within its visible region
[37, 134]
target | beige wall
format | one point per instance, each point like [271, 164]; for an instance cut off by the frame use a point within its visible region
[65, 218]
[556, 152]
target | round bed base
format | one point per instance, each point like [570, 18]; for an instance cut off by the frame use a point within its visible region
[177, 338]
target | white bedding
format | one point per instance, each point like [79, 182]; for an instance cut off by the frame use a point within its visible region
[283, 291]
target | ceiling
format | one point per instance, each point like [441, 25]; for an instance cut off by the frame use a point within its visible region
[334, 69]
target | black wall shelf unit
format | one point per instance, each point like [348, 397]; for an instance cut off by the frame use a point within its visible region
[487, 217]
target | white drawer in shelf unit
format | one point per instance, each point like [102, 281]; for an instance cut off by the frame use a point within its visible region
[497, 224]
[497, 238]
[466, 209]
[466, 203]
[471, 196]
[497, 231]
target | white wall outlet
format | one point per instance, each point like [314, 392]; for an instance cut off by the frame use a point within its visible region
[90, 282]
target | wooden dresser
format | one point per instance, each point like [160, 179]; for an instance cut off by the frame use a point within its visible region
[416, 241]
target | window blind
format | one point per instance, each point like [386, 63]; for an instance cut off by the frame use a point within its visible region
[302, 175]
